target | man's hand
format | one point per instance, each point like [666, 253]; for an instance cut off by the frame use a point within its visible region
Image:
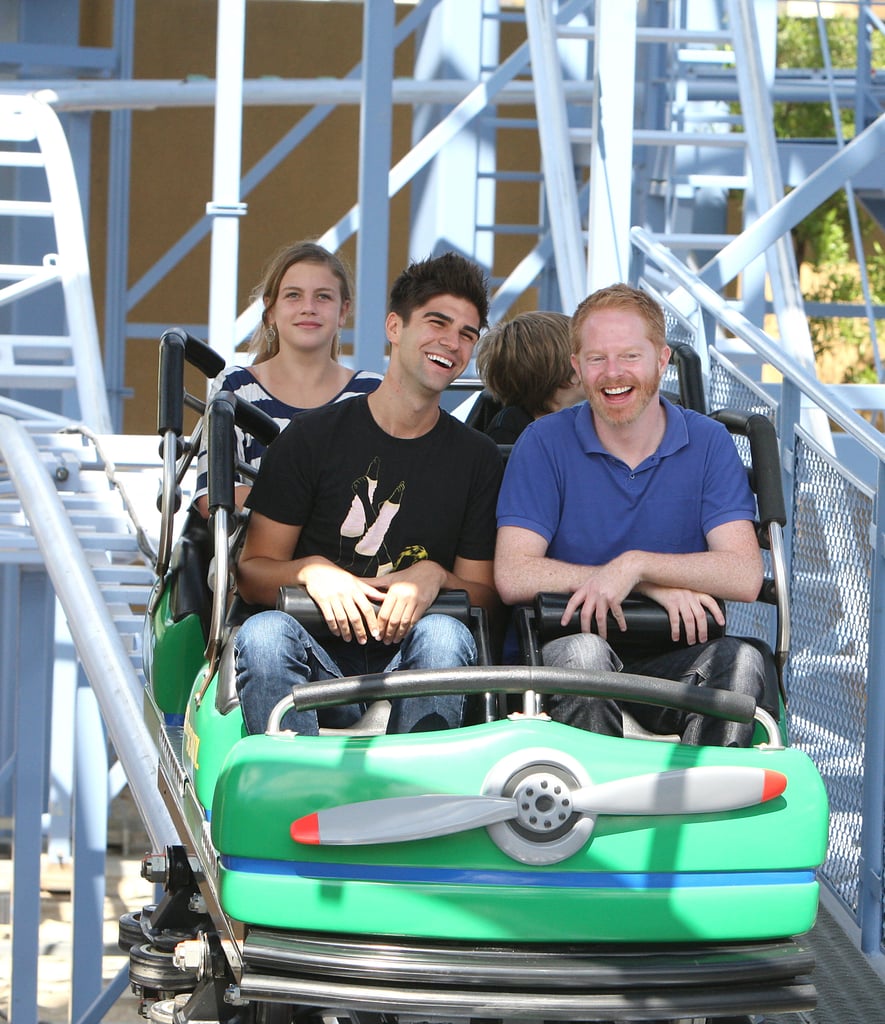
[408, 594]
[602, 593]
[344, 599]
[685, 606]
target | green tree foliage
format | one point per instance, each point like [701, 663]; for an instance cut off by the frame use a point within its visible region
[823, 240]
[799, 47]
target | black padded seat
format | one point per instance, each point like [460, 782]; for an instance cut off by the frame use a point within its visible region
[189, 593]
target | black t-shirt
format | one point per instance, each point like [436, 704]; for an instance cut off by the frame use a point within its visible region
[372, 503]
[508, 424]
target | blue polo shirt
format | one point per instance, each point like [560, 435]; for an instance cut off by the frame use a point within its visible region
[591, 507]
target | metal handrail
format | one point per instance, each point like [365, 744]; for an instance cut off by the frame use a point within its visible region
[97, 640]
[735, 322]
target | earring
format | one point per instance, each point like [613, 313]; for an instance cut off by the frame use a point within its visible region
[270, 336]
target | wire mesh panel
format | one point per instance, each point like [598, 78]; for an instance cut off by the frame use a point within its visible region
[670, 381]
[730, 389]
[758, 620]
[827, 669]
[678, 332]
[830, 587]
[833, 675]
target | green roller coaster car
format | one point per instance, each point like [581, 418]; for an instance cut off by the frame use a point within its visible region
[514, 868]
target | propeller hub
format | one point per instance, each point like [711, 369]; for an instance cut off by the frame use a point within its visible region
[546, 828]
[543, 803]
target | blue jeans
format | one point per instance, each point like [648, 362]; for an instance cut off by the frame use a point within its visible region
[273, 652]
[728, 663]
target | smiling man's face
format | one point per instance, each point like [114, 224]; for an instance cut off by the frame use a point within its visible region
[436, 344]
[619, 366]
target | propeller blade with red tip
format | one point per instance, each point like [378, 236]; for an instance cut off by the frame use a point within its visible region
[683, 791]
[697, 790]
[398, 819]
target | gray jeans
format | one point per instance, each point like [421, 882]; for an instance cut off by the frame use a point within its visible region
[728, 663]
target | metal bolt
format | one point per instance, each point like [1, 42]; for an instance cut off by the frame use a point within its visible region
[232, 996]
[197, 904]
[153, 867]
[188, 955]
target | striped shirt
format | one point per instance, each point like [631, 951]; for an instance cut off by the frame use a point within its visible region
[240, 381]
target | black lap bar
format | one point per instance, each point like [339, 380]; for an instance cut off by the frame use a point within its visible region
[648, 625]
[765, 474]
[253, 421]
[220, 416]
[199, 354]
[170, 389]
[295, 601]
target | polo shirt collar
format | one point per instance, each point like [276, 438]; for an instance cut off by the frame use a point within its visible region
[675, 431]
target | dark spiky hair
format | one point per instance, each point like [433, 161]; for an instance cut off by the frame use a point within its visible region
[448, 274]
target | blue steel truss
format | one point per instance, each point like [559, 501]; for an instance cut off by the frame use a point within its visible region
[683, 125]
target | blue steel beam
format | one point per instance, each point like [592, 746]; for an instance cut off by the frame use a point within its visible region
[796, 205]
[450, 198]
[117, 262]
[376, 136]
[33, 673]
[256, 174]
[793, 85]
[611, 156]
[225, 208]
[90, 849]
[460, 117]
[560, 187]
[30, 59]
[767, 186]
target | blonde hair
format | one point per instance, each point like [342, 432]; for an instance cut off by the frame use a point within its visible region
[524, 361]
[265, 344]
[628, 299]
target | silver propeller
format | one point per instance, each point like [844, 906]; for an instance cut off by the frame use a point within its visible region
[539, 805]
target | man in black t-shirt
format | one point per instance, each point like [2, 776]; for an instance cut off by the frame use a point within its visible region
[374, 506]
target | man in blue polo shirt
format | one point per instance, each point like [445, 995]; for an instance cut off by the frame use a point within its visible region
[627, 493]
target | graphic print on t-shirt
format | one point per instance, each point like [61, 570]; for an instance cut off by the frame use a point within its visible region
[368, 523]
